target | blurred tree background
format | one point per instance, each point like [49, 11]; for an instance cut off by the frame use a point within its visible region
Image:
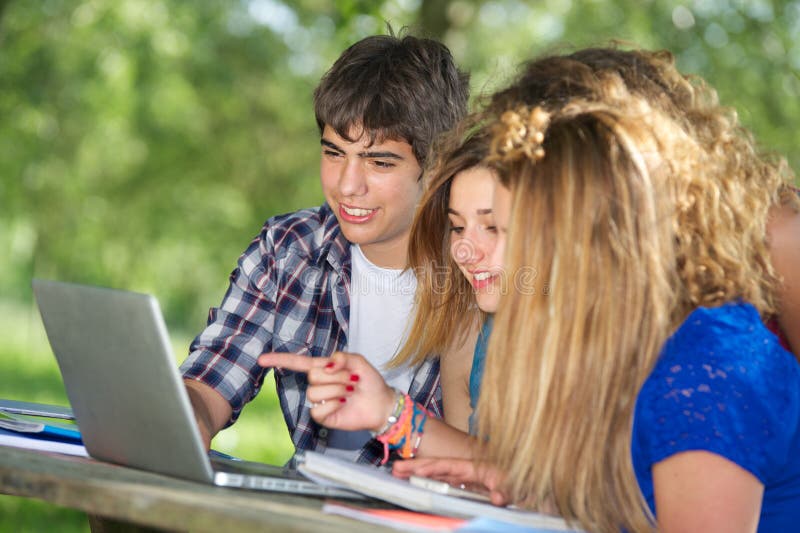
[144, 142]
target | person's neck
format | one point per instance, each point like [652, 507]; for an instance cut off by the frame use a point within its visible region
[392, 255]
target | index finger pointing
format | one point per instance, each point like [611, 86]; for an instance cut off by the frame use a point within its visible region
[289, 361]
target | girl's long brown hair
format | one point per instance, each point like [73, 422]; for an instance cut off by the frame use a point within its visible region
[445, 307]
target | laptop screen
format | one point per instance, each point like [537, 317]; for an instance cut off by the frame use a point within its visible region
[121, 379]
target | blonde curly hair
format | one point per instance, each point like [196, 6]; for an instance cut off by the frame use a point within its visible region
[712, 272]
[630, 217]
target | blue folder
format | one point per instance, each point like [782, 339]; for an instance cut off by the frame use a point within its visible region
[38, 427]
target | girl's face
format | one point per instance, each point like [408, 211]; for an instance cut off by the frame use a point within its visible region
[473, 233]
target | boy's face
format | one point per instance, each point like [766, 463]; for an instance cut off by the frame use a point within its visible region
[373, 190]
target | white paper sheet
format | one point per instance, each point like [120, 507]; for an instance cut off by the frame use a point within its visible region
[10, 438]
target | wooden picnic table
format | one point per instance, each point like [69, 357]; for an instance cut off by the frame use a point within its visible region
[118, 499]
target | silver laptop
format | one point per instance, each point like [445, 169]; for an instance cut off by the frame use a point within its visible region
[128, 398]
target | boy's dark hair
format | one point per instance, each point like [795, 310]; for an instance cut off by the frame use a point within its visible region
[403, 88]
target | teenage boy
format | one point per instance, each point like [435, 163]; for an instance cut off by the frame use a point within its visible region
[330, 278]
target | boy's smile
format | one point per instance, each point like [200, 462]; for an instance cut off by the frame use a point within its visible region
[355, 215]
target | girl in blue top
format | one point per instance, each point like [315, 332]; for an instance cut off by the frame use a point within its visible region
[725, 392]
[658, 275]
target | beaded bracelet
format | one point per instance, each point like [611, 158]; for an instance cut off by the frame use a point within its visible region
[392, 418]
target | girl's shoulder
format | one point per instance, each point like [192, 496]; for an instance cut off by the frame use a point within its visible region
[732, 334]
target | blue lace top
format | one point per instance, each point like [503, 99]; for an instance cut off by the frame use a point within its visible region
[724, 384]
[476, 373]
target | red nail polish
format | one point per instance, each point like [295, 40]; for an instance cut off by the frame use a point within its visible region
[329, 365]
[354, 377]
[350, 388]
[342, 400]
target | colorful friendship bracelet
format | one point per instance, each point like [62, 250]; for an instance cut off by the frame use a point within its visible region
[403, 428]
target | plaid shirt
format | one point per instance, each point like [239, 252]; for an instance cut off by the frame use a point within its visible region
[290, 292]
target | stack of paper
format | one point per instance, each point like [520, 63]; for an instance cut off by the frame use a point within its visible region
[39, 427]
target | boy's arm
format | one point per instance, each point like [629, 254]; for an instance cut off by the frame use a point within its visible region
[244, 319]
[211, 410]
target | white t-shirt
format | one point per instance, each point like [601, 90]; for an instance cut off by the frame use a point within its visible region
[381, 302]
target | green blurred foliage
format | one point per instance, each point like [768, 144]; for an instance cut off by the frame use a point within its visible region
[749, 50]
[144, 142]
[23, 515]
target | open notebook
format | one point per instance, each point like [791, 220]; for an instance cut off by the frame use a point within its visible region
[382, 485]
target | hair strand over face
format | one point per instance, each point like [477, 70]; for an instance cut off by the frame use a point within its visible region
[445, 307]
